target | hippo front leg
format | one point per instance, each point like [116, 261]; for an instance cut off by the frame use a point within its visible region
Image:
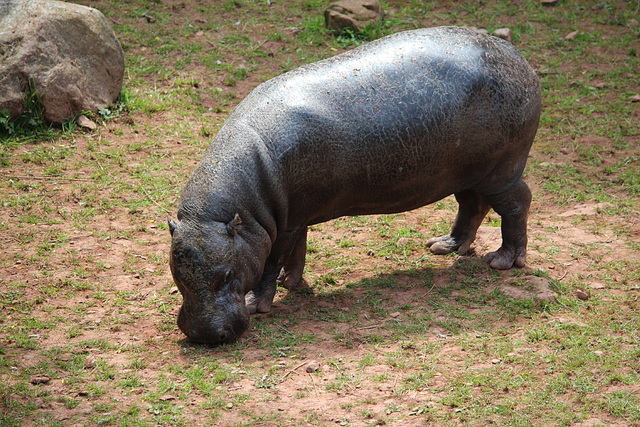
[513, 206]
[260, 299]
[284, 251]
[473, 207]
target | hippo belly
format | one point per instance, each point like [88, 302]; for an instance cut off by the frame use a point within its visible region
[390, 126]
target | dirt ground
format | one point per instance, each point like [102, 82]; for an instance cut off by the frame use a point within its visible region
[98, 284]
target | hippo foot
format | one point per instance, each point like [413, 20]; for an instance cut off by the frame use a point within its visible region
[256, 305]
[444, 245]
[290, 280]
[504, 259]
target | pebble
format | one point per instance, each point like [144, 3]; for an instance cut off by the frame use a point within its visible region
[167, 397]
[40, 379]
[229, 405]
[503, 33]
[395, 314]
[312, 367]
[572, 35]
[85, 122]
[582, 295]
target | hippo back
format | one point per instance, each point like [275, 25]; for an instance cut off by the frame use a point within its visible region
[390, 126]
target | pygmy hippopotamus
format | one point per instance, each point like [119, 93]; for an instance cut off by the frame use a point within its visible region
[390, 126]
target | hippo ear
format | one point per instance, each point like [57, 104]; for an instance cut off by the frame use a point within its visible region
[234, 225]
[172, 225]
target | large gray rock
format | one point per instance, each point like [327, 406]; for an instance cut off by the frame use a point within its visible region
[68, 53]
[352, 14]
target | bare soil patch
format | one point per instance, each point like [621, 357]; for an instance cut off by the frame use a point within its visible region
[401, 337]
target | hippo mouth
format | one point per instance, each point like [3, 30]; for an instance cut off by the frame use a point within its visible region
[213, 330]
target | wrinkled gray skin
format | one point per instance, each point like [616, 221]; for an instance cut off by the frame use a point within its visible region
[390, 126]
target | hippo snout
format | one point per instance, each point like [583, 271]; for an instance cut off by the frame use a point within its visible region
[213, 331]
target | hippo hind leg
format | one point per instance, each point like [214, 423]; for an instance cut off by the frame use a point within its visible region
[513, 206]
[291, 274]
[473, 207]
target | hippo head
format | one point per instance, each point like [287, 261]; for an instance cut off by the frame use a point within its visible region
[204, 267]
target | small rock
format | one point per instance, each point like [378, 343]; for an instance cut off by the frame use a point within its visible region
[572, 35]
[150, 19]
[503, 33]
[598, 353]
[229, 405]
[89, 364]
[395, 314]
[496, 361]
[565, 150]
[167, 397]
[85, 122]
[40, 379]
[582, 295]
[635, 98]
[352, 14]
[600, 85]
[550, 2]
[312, 367]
